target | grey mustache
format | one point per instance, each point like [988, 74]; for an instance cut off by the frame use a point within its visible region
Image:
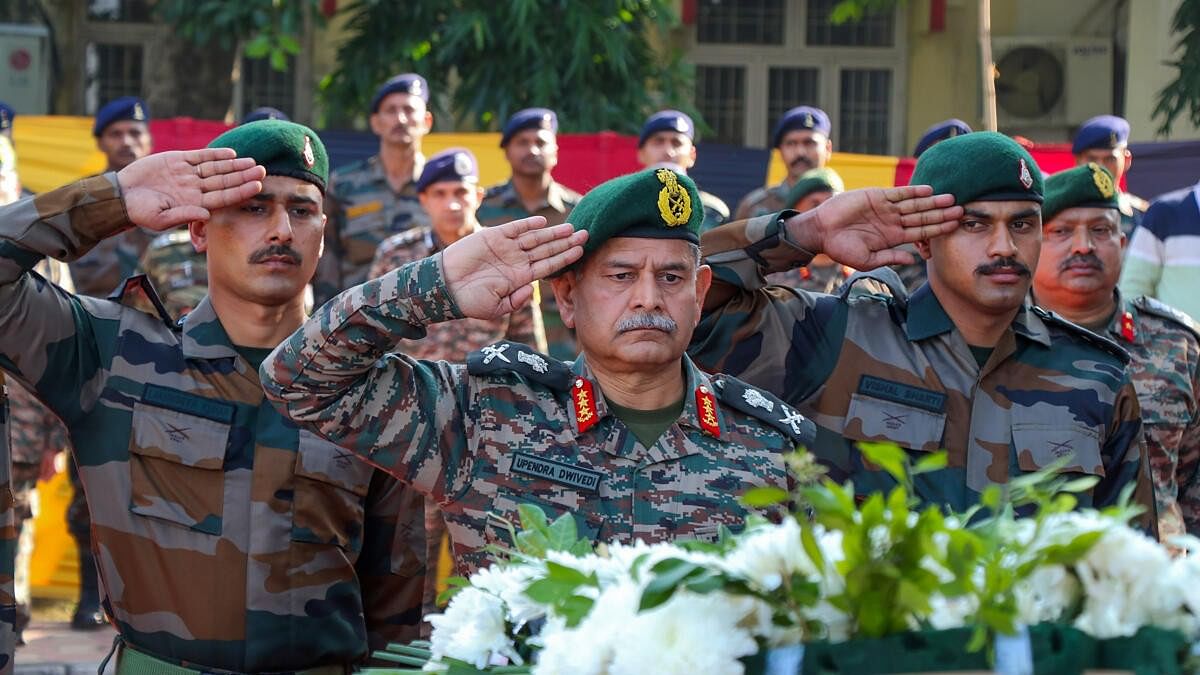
[660, 322]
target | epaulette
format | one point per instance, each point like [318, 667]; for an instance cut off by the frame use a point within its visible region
[767, 407]
[172, 238]
[714, 202]
[513, 357]
[883, 275]
[1083, 333]
[1165, 311]
[138, 293]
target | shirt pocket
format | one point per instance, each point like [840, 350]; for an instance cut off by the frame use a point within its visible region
[1039, 444]
[874, 419]
[330, 493]
[176, 466]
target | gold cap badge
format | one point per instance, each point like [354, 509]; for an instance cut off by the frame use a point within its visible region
[1103, 181]
[674, 202]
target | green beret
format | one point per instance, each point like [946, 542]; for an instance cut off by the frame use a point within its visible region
[985, 166]
[1088, 185]
[283, 148]
[651, 204]
[814, 180]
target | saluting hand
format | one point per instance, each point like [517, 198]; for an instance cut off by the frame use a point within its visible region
[490, 271]
[862, 228]
[168, 189]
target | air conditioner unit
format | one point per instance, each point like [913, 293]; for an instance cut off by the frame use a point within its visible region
[1052, 81]
[25, 67]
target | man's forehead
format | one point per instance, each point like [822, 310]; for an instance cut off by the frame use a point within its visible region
[1084, 214]
[401, 99]
[641, 250]
[803, 135]
[1002, 208]
[533, 134]
[286, 187]
[122, 126]
[668, 135]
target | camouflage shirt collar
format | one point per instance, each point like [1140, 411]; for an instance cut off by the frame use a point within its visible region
[694, 379]
[927, 318]
[555, 197]
[203, 335]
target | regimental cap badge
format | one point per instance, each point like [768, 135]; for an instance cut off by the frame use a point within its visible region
[1103, 181]
[1112, 139]
[809, 122]
[681, 125]
[1025, 176]
[462, 164]
[309, 158]
[674, 202]
[953, 132]
[138, 113]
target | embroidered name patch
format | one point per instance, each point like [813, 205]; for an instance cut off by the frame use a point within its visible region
[181, 401]
[896, 392]
[557, 472]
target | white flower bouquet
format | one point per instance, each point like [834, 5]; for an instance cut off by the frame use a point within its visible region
[877, 586]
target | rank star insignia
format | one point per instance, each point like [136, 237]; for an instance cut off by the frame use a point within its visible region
[754, 398]
[1103, 181]
[583, 400]
[493, 352]
[534, 361]
[1025, 176]
[674, 202]
[308, 156]
[706, 406]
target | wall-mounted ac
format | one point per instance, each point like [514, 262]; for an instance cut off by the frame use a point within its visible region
[1052, 81]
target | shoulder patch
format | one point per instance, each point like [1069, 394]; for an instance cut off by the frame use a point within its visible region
[1080, 332]
[766, 407]
[1165, 311]
[883, 281]
[138, 293]
[514, 357]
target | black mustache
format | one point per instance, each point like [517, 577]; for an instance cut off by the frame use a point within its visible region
[1003, 264]
[1088, 258]
[277, 250]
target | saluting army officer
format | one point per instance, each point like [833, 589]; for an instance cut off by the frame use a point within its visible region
[966, 364]
[631, 438]
[227, 538]
[1082, 246]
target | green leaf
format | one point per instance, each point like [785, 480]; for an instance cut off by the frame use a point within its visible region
[764, 496]
[934, 461]
[887, 456]
[1082, 484]
[809, 540]
[257, 48]
[668, 575]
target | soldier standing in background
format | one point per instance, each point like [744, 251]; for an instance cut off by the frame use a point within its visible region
[802, 138]
[1082, 247]
[530, 143]
[371, 200]
[668, 139]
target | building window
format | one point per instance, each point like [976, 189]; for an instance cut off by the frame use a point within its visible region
[788, 88]
[740, 22]
[875, 29]
[262, 85]
[125, 11]
[112, 71]
[865, 111]
[721, 98]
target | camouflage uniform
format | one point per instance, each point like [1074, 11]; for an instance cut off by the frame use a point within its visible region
[1165, 369]
[501, 204]
[176, 271]
[363, 210]
[876, 368]
[764, 200]
[8, 544]
[449, 341]
[102, 269]
[513, 427]
[815, 278]
[225, 535]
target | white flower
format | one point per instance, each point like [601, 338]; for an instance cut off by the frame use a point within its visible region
[1045, 595]
[509, 584]
[1122, 578]
[767, 555]
[472, 629]
[588, 648]
[689, 634]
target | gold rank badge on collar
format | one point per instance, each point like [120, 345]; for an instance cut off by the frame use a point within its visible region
[583, 401]
[706, 410]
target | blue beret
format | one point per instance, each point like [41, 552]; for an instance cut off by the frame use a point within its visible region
[801, 117]
[529, 118]
[405, 83]
[940, 132]
[124, 108]
[265, 113]
[667, 120]
[451, 165]
[7, 115]
[1102, 131]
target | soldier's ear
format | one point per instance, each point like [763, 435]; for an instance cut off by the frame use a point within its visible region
[923, 248]
[564, 292]
[198, 229]
[703, 283]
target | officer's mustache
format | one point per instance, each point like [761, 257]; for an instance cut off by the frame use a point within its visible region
[1089, 259]
[646, 321]
[802, 160]
[276, 251]
[1003, 265]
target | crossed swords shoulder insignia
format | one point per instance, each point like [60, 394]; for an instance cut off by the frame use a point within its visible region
[493, 352]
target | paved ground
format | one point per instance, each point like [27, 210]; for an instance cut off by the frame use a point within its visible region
[52, 648]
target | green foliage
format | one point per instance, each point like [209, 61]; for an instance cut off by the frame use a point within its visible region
[269, 28]
[853, 10]
[1183, 93]
[594, 62]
